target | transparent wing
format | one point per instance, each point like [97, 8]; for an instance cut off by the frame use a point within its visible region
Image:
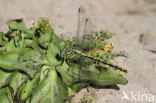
[84, 23]
[88, 26]
[81, 22]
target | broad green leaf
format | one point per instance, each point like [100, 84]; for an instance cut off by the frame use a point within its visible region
[43, 72]
[5, 78]
[10, 45]
[77, 74]
[5, 95]
[74, 74]
[28, 100]
[84, 73]
[78, 86]
[23, 59]
[58, 41]
[50, 90]
[18, 94]
[96, 77]
[27, 34]
[35, 46]
[46, 33]
[52, 54]
[3, 39]
[70, 91]
[27, 43]
[19, 25]
[45, 39]
[109, 77]
[26, 91]
[16, 81]
[99, 78]
[66, 77]
[27, 88]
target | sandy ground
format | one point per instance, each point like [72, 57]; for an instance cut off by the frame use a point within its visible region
[134, 22]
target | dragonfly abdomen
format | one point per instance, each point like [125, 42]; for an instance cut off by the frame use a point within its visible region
[101, 61]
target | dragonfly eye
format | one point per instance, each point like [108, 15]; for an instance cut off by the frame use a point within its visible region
[60, 55]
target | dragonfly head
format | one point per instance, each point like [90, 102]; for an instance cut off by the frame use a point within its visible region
[61, 53]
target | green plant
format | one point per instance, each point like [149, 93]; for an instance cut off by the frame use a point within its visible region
[88, 99]
[36, 65]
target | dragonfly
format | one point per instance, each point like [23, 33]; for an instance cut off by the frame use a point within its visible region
[77, 52]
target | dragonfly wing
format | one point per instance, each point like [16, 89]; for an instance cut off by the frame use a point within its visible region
[81, 22]
[88, 26]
